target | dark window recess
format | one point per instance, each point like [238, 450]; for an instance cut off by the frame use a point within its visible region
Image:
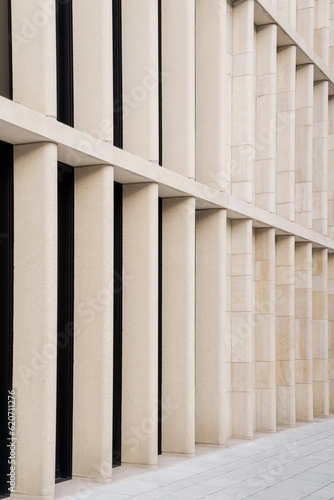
[117, 388]
[65, 112]
[117, 73]
[65, 322]
[6, 300]
[160, 78]
[5, 50]
[160, 328]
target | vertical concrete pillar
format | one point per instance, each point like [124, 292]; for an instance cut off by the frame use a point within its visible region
[288, 9]
[331, 36]
[265, 330]
[35, 318]
[243, 102]
[228, 349]
[228, 94]
[304, 145]
[303, 331]
[140, 323]
[331, 330]
[210, 106]
[242, 330]
[178, 324]
[285, 328]
[320, 158]
[331, 168]
[92, 35]
[285, 176]
[210, 326]
[140, 78]
[321, 29]
[178, 86]
[320, 332]
[266, 66]
[34, 55]
[93, 322]
[305, 20]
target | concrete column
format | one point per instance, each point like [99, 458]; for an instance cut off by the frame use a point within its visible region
[303, 331]
[304, 144]
[178, 324]
[321, 29]
[285, 328]
[228, 94]
[287, 8]
[320, 332]
[331, 330]
[285, 176]
[265, 330]
[210, 106]
[331, 36]
[320, 158]
[210, 326]
[242, 330]
[266, 66]
[35, 318]
[228, 353]
[92, 35]
[331, 168]
[93, 322]
[178, 86]
[305, 20]
[140, 78]
[34, 55]
[140, 324]
[243, 102]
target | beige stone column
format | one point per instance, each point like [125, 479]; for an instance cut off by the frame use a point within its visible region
[243, 102]
[210, 106]
[265, 330]
[331, 168]
[321, 29]
[92, 35]
[93, 322]
[304, 144]
[228, 95]
[242, 330]
[140, 78]
[265, 155]
[303, 331]
[320, 158]
[178, 86]
[331, 36]
[287, 8]
[35, 318]
[305, 20]
[285, 330]
[211, 339]
[34, 55]
[331, 330]
[228, 353]
[285, 176]
[140, 324]
[320, 332]
[178, 325]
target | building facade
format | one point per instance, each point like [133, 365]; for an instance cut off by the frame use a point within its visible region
[166, 229]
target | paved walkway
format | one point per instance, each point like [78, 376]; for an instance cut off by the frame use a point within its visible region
[290, 465]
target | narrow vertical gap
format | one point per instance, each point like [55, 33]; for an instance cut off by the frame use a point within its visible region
[5, 50]
[117, 73]
[65, 346]
[160, 78]
[65, 105]
[118, 324]
[160, 330]
[6, 300]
